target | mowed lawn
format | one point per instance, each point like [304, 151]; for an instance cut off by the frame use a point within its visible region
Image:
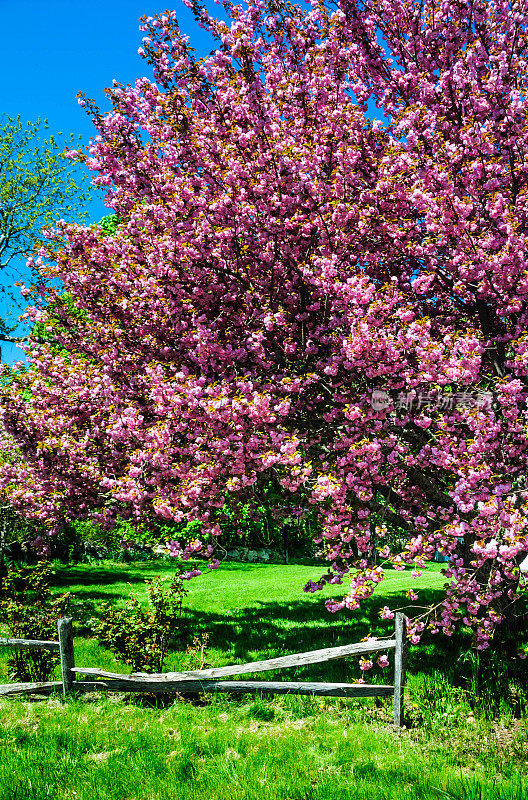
[250, 611]
[276, 748]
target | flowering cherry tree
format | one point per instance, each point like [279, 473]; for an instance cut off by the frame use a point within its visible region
[295, 293]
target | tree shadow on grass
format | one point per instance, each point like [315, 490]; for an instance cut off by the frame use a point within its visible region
[76, 576]
[110, 574]
[266, 629]
[91, 575]
[270, 629]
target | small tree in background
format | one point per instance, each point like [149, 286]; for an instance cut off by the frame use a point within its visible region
[38, 186]
[298, 296]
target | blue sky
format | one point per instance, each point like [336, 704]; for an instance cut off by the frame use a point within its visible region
[51, 49]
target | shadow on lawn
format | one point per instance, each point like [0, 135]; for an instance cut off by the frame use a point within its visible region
[267, 628]
[88, 575]
[76, 576]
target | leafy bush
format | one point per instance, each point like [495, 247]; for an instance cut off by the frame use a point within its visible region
[14, 527]
[29, 610]
[138, 636]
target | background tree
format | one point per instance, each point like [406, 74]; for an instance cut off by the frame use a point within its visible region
[38, 185]
[298, 297]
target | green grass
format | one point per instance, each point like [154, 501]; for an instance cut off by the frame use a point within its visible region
[105, 748]
[287, 748]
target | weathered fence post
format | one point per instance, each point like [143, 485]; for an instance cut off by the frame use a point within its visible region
[400, 657]
[67, 659]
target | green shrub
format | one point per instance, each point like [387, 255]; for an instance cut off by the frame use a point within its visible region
[29, 610]
[14, 527]
[138, 636]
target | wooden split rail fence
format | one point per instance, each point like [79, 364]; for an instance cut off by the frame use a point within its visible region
[207, 680]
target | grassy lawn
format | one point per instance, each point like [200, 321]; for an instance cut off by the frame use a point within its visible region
[289, 748]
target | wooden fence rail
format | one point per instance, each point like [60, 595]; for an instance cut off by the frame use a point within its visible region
[239, 687]
[206, 680]
[282, 662]
[28, 644]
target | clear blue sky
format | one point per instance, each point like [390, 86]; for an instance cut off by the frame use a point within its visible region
[52, 49]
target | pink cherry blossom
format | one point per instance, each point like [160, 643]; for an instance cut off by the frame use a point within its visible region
[365, 664]
[279, 261]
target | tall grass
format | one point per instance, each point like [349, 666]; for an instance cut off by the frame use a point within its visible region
[300, 748]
